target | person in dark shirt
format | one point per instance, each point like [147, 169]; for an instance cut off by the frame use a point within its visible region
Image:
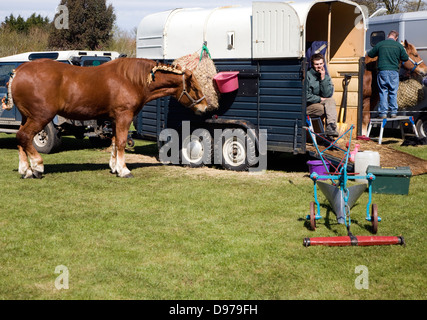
[390, 53]
[319, 95]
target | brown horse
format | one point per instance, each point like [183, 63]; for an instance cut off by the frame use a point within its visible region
[415, 67]
[116, 90]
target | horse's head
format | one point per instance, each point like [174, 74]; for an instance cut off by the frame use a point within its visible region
[415, 64]
[191, 95]
[183, 84]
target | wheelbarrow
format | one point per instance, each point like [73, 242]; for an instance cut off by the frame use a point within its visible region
[342, 198]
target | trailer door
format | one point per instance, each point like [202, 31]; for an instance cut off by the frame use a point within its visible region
[276, 31]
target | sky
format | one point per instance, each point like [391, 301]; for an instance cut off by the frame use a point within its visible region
[128, 12]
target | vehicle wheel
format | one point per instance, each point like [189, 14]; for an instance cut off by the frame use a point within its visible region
[421, 126]
[47, 140]
[130, 142]
[235, 150]
[374, 218]
[312, 215]
[196, 149]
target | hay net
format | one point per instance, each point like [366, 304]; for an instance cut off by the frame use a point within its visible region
[410, 93]
[203, 68]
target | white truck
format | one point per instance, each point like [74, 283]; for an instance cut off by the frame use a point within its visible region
[49, 139]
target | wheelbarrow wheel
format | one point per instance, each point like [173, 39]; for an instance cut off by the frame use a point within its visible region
[312, 216]
[374, 218]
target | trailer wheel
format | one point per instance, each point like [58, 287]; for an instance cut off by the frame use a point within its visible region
[374, 218]
[421, 126]
[235, 150]
[196, 149]
[47, 140]
[312, 216]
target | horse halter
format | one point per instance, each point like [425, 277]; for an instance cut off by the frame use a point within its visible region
[185, 92]
[416, 64]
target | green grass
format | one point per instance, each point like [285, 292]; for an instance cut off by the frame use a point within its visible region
[181, 233]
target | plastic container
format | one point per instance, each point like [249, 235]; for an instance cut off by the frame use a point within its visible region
[227, 81]
[364, 159]
[390, 180]
[318, 167]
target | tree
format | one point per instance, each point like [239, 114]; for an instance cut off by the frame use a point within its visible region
[394, 6]
[90, 24]
[21, 25]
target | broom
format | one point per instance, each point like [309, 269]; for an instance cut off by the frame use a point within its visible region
[342, 126]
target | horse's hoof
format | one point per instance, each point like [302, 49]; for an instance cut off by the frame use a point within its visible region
[127, 176]
[37, 174]
[27, 175]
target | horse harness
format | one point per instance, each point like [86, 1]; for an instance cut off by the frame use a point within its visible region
[416, 64]
[185, 92]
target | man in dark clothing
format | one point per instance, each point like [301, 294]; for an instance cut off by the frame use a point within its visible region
[389, 53]
[319, 95]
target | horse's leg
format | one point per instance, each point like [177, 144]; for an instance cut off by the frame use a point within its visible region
[113, 159]
[26, 149]
[366, 115]
[121, 133]
[24, 166]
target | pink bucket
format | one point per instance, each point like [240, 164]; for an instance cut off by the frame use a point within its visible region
[227, 81]
[317, 166]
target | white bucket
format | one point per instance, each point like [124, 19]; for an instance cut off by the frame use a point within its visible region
[364, 159]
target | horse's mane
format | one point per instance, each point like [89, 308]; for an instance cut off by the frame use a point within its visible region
[163, 67]
[141, 71]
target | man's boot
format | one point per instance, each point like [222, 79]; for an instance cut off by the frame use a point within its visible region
[331, 130]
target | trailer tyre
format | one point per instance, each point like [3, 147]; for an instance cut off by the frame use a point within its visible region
[235, 150]
[421, 126]
[47, 140]
[196, 149]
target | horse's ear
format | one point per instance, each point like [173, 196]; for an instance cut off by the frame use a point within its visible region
[188, 73]
[406, 43]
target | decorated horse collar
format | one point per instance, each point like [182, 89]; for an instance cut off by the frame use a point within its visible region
[166, 68]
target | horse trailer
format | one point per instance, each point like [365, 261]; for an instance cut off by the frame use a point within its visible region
[49, 139]
[411, 27]
[269, 44]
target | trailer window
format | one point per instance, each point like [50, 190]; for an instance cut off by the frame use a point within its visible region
[377, 36]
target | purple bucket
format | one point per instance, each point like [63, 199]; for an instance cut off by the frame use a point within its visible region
[318, 167]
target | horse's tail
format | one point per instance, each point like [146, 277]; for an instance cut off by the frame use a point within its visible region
[7, 101]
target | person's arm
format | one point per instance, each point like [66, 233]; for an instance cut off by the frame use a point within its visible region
[310, 96]
[326, 87]
[373, 52]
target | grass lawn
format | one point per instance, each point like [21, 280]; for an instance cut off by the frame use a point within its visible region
[182, 233]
